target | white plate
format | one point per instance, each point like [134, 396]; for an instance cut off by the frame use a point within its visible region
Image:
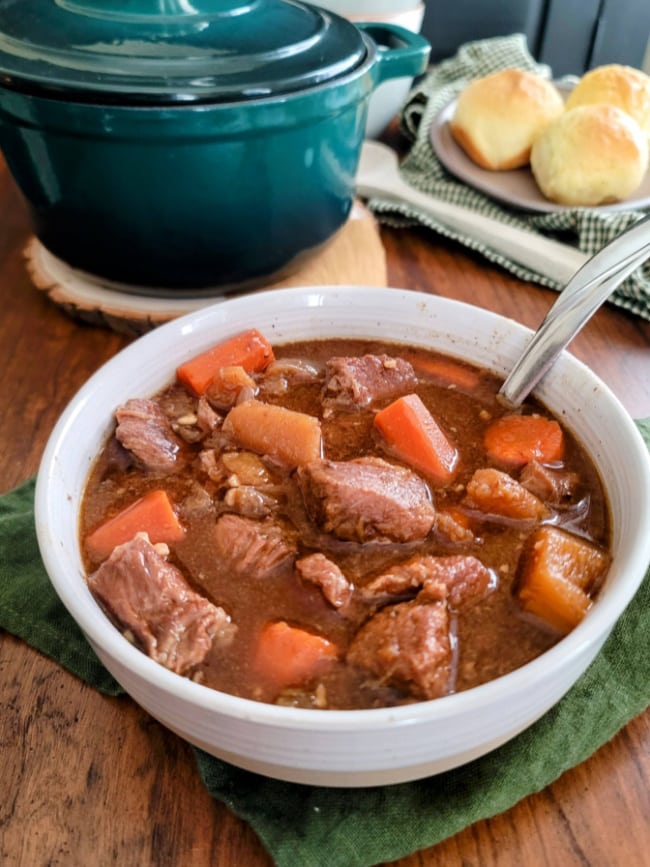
[515, 187]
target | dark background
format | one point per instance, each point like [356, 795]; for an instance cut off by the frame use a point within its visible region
[570, 35]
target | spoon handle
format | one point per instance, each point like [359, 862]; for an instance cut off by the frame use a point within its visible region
[585, 292]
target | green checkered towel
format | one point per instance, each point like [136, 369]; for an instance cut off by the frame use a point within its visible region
[587, 229]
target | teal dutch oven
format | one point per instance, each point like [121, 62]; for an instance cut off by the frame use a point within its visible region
[189, 144]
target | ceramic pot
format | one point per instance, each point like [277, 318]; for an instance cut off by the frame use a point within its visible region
[171, 146]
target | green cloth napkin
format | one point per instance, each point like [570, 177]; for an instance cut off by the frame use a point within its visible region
[335, 827]
[584, 228]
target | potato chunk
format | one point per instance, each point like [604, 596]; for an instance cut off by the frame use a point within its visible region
[557, 572]
[496, 493]
[292, 438]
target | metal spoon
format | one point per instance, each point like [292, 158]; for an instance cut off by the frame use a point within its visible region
[588, 282]
[589, 287]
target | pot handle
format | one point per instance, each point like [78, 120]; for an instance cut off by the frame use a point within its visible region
[401, 52]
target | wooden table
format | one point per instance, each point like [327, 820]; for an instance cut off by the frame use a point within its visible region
[88, 780]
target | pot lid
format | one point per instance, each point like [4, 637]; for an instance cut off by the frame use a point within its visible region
[169, 51]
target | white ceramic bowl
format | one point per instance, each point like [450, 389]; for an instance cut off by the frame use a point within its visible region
[346, 748]
[389, 97]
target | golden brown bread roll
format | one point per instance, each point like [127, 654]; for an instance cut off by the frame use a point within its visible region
[590, 155]
[622, 86]
[497, 117]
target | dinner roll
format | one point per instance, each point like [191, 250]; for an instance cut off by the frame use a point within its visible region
[497, 117]
[590, 155]
[622, 86]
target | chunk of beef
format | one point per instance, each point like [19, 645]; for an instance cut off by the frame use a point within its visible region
[193, 422]
[257, 548]
[197, 503]
[408, 646]
[361, 382]
[150, 598]
[230, 385]
[497, 494]
[210, 464]
[367, 499]
[117, 458]
[206, 418]
[467, 580]
[144, 429]
[319, 570]
[249, 501]
[550, 484]
[284, 373]
[176, 402]
[464, 579]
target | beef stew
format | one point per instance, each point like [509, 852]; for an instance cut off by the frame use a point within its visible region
[343, 523]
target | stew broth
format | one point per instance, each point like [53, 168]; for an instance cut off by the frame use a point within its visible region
[214, 475]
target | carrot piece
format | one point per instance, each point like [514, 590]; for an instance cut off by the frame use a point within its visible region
[452, 373]
[250, 350]
[286, 655]
[293, 438]
[414, 436]
[152, 514]
[517, 439]
[556, 573]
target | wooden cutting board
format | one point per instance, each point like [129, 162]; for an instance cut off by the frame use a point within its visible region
[355, 256]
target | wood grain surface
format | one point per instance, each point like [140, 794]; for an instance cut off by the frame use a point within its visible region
[355, 255]
[88, 780]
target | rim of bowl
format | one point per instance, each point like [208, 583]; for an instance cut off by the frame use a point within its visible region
[101, 632]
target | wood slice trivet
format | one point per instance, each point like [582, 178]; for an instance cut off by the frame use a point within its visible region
[355, 256]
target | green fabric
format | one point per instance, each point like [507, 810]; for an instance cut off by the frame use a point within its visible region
[29, 608]
[584, 228]
[335, 827]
